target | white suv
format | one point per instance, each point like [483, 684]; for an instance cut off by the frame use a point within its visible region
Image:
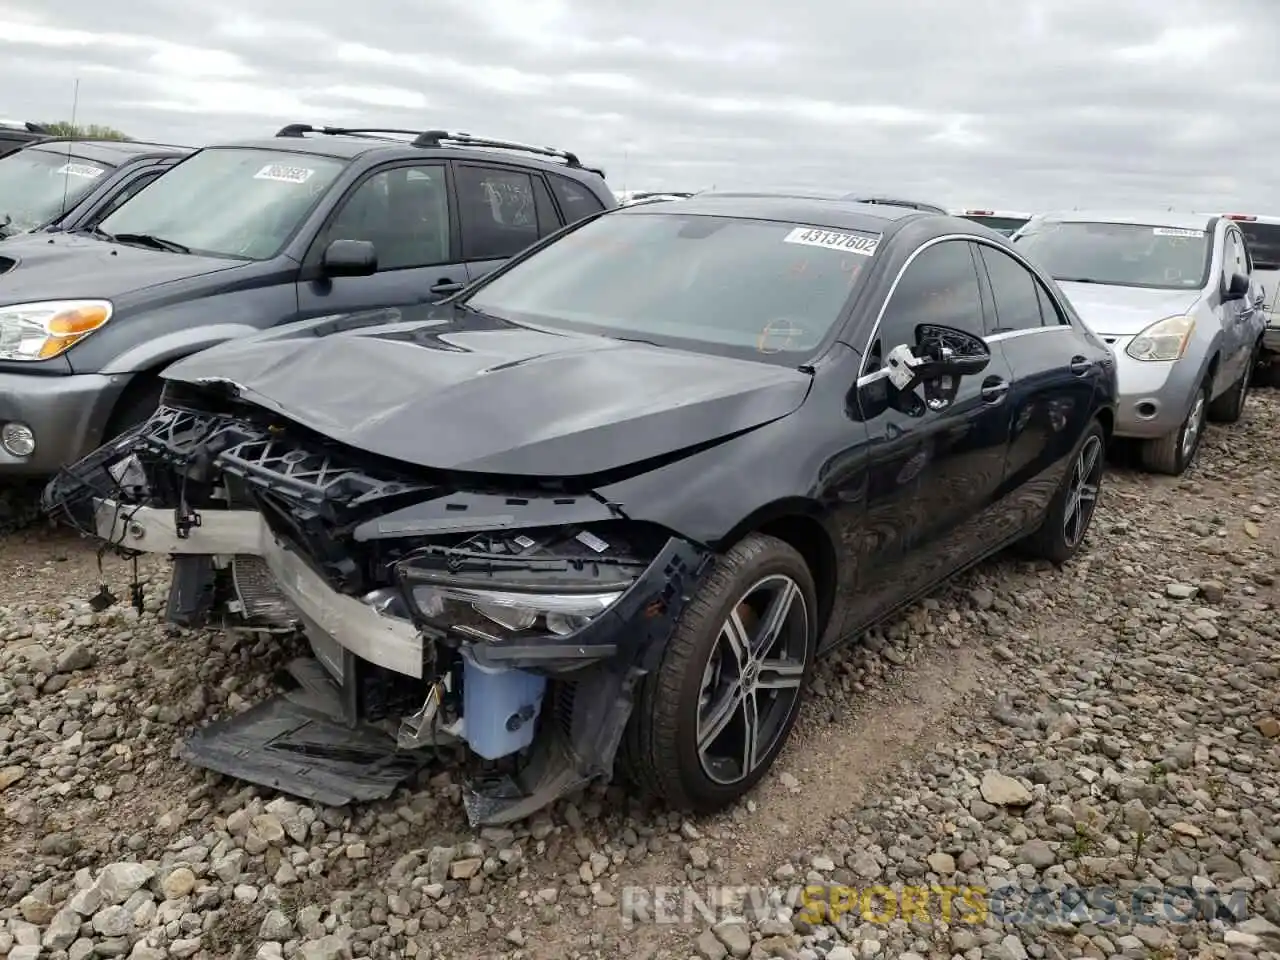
[1262, 236]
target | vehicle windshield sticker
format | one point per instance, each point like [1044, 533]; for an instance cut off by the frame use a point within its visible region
[283, 174]
[81, 170]
[590, 540]
[844, 242]
[778, 335]
[1176, 232]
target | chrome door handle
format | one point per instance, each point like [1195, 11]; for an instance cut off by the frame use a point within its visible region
[993, 391]
[446, 286]
[1080, 366]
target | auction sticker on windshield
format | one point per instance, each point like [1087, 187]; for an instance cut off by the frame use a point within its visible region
[1176, 232]
[81, 170]
[283, 174]
[832, 240]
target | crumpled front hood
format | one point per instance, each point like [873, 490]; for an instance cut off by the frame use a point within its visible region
[479, 395]
[1125, 311]
[67, 266]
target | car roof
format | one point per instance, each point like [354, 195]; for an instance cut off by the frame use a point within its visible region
[114, 152]
[787, 208]
[1152, 218]
[350, 147]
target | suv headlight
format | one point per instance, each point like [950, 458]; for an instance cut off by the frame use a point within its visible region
[1165, 339]
[41, 331]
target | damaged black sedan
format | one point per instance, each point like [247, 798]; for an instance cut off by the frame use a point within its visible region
[609, 503]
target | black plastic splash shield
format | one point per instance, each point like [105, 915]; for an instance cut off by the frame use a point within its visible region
[280, 744]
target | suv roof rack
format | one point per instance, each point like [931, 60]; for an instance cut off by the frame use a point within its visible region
[436, 138]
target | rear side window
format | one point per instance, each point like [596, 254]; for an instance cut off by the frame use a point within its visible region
[1264, 244]
[1050, 314]
[1013, 287]
[575, 200]
[499, 212]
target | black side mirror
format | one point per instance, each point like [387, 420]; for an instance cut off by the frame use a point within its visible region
[349, 258]
[1236, 289]
[938, 352]
[937, 361]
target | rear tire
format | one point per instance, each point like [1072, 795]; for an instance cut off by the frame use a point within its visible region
[1066, 522]
[687, 739]
[1229, 407]
[1172, 455]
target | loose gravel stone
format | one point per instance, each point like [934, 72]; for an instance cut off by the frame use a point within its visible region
[1029, 731]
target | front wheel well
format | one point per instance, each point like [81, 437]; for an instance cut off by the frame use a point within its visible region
[1107, 418]
[1211, 371]
[143, 388]
[808, 537]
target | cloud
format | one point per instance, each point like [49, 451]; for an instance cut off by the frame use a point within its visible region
[992, 103]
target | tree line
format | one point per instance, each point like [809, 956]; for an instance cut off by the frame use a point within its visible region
[92, 131]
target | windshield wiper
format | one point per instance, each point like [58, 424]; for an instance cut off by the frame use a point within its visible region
[147, 240]
[650, 343]
[1074, 280]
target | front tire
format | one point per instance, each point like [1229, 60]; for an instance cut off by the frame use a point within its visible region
[1071, 511]
[1173, 454]
[711, 720]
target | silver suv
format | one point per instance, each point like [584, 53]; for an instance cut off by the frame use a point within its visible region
[1175, 298]
[1262, 238]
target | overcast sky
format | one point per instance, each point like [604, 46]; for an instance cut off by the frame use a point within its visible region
[1020, 104]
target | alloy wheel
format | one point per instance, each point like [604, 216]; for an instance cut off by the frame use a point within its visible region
[1082, 491]
[1192, 428]
[751, 683]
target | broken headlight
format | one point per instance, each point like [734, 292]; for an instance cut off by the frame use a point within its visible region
[536, 583]
[478, 612]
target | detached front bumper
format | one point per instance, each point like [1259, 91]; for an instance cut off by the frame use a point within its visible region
[331, 619]
[1154, 395]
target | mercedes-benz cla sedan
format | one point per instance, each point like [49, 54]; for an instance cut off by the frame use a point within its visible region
[609, 503]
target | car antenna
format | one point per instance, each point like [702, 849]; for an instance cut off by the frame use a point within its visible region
[66, 174]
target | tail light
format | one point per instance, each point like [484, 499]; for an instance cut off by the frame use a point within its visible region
[1241, 216]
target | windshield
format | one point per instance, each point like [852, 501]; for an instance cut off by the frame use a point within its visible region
[1264, 244]
[1005, 225]
[756, 289]
[1123, 254]
[228, 202]
[36, 186]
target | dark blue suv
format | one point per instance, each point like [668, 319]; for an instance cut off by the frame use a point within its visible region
[238, 238]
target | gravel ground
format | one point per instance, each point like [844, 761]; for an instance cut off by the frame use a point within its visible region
[1020, 737]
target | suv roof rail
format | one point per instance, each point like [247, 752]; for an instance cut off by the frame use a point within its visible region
[113, 140]
[437, 138]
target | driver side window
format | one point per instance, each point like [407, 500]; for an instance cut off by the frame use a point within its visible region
[939, 287]
[403, 212]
